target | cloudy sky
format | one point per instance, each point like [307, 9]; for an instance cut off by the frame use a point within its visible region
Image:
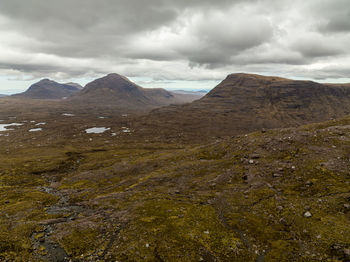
[172, 43]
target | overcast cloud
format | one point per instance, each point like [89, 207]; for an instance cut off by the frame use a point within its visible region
[174, 40]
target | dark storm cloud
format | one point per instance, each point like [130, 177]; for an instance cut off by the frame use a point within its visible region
[183, 39]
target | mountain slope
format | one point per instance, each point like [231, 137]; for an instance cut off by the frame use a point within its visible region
[48, 89]
[244, 103]
[117, 90]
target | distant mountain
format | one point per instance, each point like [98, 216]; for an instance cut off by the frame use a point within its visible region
[191, 92]
[48, 89]
[3, 95]
[192, 95]
[74, 85]
[244, 102]
[119, 91]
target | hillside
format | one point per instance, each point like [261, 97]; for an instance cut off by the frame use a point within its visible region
[279, 195]
[119, 91]
[244, 103]
[48, 89]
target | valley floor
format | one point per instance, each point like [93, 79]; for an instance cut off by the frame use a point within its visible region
[65, 195]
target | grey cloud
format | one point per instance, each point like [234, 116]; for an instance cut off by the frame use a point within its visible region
[217, 38]
[328, 72]
[270, 54]
[184, 39]
[330, 16]
[317, 47]
[338, 24]
[91, 16]
[46, 70]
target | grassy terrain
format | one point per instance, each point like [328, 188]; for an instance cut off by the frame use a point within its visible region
[280, 195]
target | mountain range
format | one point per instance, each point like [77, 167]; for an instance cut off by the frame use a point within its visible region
[241, 103]
[119, 91]
[112, 90]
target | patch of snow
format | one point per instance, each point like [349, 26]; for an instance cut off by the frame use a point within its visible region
[67, 114]
[40, 124]
[35, 129]
[96, 130]
[3, 127]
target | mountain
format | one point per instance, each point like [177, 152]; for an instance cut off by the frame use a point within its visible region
[48, 89]
[193, 95]
[119, 91]
[74, 85]
[3, 95]
[199, 92]
[245, 102]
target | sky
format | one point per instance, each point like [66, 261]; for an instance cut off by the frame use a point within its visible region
[174, 44]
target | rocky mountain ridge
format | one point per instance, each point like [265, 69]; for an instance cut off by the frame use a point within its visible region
[244, 103]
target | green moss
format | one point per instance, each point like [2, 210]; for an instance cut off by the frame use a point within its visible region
[80, 241]
[282, 250]
[178, 232]
[15, 241]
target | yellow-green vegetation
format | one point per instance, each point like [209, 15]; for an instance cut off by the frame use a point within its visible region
[175, 231]
[279, 195]
[80, 241]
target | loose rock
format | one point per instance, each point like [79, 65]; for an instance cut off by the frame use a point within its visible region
[307, 214]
